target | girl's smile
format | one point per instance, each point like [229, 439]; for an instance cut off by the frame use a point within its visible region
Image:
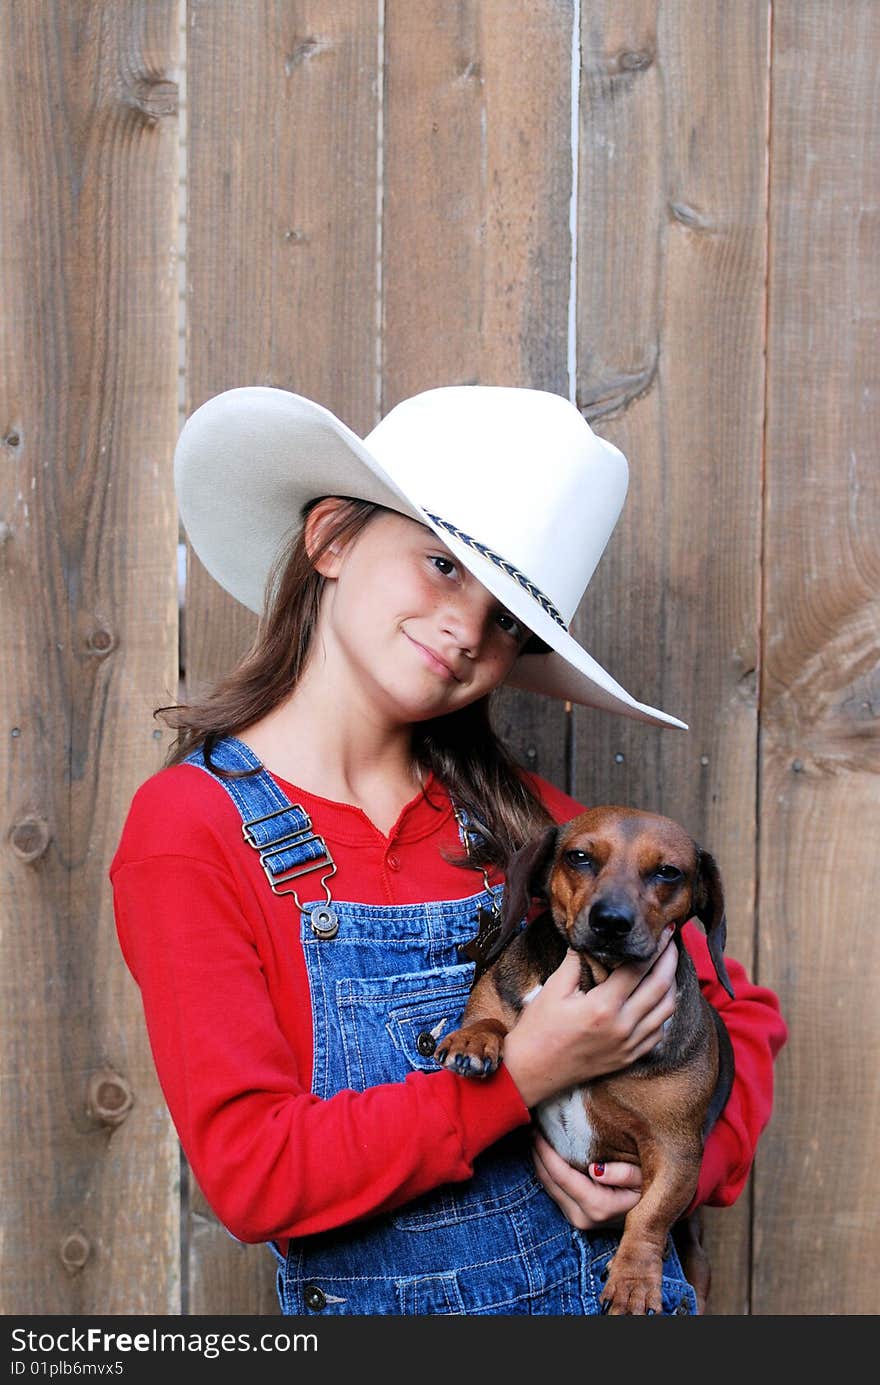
[434, 661]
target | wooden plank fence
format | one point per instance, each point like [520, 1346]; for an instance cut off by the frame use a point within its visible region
[662, 209]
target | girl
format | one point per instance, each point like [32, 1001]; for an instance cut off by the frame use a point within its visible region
[294, 891]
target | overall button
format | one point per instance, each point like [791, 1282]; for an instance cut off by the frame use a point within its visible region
[315, 1298]
[426, 1043]
[393, 861]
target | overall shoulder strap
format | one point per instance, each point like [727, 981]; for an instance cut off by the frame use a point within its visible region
[280, 831]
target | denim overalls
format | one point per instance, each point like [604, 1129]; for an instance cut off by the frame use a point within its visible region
[387, 981]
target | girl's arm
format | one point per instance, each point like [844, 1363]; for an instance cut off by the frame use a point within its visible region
[272, 1159]
[757, 1032]
[275, 1161]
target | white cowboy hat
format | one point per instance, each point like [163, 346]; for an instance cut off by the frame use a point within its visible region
[513, 481]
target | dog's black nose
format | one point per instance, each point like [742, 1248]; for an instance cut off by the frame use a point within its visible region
[610, 920]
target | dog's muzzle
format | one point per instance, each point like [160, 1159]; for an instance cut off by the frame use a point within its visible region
[612, 930]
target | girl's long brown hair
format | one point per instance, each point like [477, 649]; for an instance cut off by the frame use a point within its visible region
[462, 748]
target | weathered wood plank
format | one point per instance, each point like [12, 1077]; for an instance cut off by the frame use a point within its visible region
[89, 636]
[816, 1204]
[476, 241]
[671, 270]
[282, 251]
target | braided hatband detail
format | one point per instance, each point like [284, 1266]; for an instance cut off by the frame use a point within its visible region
[496, 558]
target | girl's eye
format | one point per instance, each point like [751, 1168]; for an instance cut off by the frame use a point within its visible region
[443, 564]
[668, 873]
[510, 625]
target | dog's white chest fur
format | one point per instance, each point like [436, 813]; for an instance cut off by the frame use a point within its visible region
[565, 1125]
[563, 1119]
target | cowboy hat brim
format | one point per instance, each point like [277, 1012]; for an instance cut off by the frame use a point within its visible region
[237, 516]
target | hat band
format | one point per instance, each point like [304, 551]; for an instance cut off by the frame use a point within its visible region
[519, 577]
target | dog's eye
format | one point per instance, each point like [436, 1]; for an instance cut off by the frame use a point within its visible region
[581, 860]
[668, 873]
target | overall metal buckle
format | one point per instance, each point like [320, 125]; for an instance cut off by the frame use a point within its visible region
[323, 919]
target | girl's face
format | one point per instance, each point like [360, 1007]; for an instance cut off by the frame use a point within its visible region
[420, 634]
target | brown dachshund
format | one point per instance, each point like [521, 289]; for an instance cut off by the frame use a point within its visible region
[613, 879]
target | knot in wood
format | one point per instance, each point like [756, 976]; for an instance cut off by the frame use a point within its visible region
[29, 838]
[153, 97]
[75, 1251]
[634, 59]
[109, 1097]
[100, 642]
[303, 49]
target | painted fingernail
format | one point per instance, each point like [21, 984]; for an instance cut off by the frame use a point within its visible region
[599, 1170]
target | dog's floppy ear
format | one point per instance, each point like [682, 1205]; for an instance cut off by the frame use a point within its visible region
[708, 906]
[526, 877]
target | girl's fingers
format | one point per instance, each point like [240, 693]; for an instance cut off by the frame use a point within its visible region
[645, 982]
[567, 1205]
[555, 1166]
[650, 1025]
[567, 975]
[650, 1028]
[651, 979]
[610, 1175]
[591, 1031]
[587, 1201]
[617, 1175]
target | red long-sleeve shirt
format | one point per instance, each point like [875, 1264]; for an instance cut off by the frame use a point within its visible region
[222, 975]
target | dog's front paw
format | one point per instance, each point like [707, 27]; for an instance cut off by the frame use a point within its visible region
[633, 1287]
[475, 1050]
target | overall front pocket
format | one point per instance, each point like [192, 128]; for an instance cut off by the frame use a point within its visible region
[390, 1026]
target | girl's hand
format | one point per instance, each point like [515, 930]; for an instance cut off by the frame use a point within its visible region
[566, 1036]
[587, 1201]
